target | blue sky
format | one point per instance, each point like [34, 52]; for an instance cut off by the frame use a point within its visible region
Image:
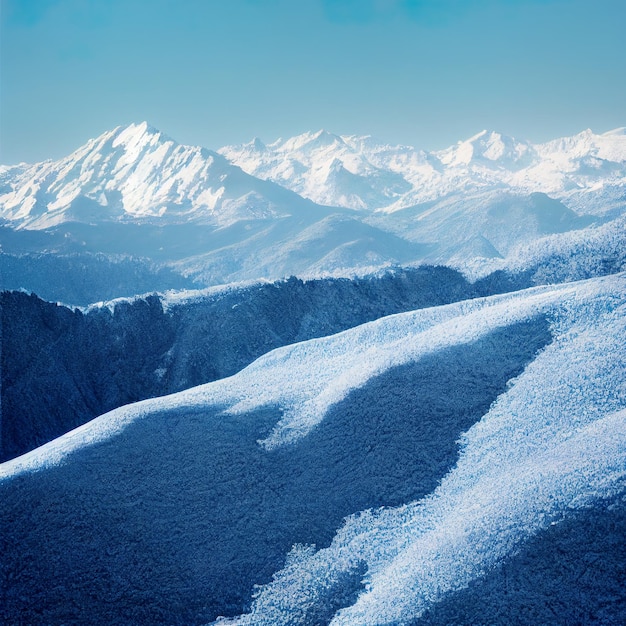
[211, 72]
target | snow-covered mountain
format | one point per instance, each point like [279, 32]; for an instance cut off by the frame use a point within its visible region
[134, 191]
[329, 473]
[58, 367]
[329, 168]
[138, 173]
[457, 464]
[63, 367]
[360, 172]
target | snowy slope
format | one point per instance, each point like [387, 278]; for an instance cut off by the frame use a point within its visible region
[553, 444]
[170, 510]
[197, 336]
[63, 367]
[458, 230]
[485, 224]
[334, 244]
[136, 172]
[575, 255]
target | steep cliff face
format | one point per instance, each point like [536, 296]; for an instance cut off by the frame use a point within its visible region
[62, 367]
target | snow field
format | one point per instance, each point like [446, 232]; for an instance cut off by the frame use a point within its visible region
[553, 444]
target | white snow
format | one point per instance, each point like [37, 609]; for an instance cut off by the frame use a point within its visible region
[481, 198]
[554, 443]
[155, 176]
[582, 163]
[138, 172]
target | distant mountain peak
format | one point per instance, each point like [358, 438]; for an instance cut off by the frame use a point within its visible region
[135, 131]
[486, 146]
[257, 144]
[483, 133]
[311, 141]
[324, 135]
[136, 170]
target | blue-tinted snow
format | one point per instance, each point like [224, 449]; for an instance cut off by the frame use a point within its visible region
[572, 572]
[575, 255]
[552, 444]
[189, 499]
[62, 368]
[306, 379]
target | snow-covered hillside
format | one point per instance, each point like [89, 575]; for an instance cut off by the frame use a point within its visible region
[334, 170]
[408, 447]
[63, 367]
[171, 510]
[165, 343]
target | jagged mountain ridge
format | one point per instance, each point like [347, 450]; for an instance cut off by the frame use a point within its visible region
[134, 191]
[138, 173]
[361, 172]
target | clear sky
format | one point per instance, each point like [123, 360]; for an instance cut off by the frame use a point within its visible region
[212, 72]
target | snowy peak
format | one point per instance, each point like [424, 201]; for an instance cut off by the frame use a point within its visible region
[616, 132]
[388, 177]
[309, 142]
[258, 145]
[326, 168]
[488, 147]
[131, 140]
[137, 172]
[136, 132]
[609, 146]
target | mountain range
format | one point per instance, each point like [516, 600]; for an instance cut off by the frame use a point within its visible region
[324, 380]
[314, 204]
[362, 173]
[140, 173]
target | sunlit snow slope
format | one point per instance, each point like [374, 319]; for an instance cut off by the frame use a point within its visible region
[138, 173]
[63, 367]
[171, 510]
